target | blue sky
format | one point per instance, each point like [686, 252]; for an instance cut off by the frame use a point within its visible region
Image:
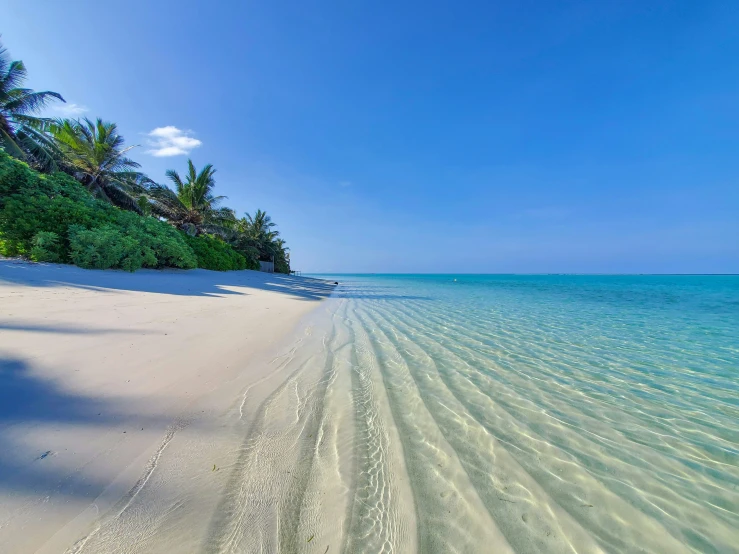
[418, 136]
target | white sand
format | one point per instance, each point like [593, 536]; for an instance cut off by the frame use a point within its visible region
[104, 376]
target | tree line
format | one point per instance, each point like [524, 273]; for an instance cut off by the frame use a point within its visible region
[93, 153]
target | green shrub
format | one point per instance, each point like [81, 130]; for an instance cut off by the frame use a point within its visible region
[14, 177]
[100, 248]
[48, 203]
[126, 248]
[213, 253]
[46, 247]
[89, 232]
[160, 244]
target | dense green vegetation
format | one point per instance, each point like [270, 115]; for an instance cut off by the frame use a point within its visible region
[69, 193]
[54, 218]
[213, 253]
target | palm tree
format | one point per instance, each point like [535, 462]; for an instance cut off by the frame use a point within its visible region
[21, 133]
[192, 206]
[259, 230]
[282, 256]
[94, 153]
[257, 234]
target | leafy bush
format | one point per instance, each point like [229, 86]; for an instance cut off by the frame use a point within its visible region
[46, 247]
[213, 253]
[32, 204]
[48, 203]
[100, 248]
[160, 244]
[131, 245]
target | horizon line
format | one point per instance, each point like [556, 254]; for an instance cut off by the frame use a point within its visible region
[564, 274]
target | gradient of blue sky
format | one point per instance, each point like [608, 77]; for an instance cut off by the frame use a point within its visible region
[414, 136]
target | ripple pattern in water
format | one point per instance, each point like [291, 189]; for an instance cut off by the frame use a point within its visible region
[545, 413]
[479, 414]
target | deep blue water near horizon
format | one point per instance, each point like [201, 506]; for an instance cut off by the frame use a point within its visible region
[613, 398]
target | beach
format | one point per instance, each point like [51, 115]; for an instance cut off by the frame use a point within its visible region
[103, 371]
[422, 278]
[244, 412]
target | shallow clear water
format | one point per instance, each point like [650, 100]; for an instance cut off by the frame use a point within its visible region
[559, 413]
[424, 414]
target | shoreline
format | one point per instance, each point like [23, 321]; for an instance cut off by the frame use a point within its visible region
[400, 414]
[106, 372]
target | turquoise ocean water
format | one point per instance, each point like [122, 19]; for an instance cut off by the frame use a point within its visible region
[582, 413]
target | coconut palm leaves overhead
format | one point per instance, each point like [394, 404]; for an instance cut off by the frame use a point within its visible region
[22, 134]
[94, 153]
[192, 206]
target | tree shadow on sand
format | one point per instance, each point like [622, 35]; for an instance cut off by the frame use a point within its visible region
[179, 282]
[69, 329]
[28, 402]
[196, 282]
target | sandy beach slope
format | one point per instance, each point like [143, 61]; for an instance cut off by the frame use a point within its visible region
[102, 372]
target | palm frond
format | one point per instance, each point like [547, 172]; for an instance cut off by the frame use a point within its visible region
[166, 203]
[11, 145]
[175, 178]
[22, 134]
[43, 153]
[15, 72]
[121, 198]
[41, 123]
[4, 62]
[31, 102]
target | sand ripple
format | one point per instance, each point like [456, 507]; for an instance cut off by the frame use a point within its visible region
[414, 419]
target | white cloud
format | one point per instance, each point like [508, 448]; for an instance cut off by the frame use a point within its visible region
[171, 141]
[345, 184]
[70, 110]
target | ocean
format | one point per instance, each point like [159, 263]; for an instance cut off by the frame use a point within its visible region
[542, 413]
